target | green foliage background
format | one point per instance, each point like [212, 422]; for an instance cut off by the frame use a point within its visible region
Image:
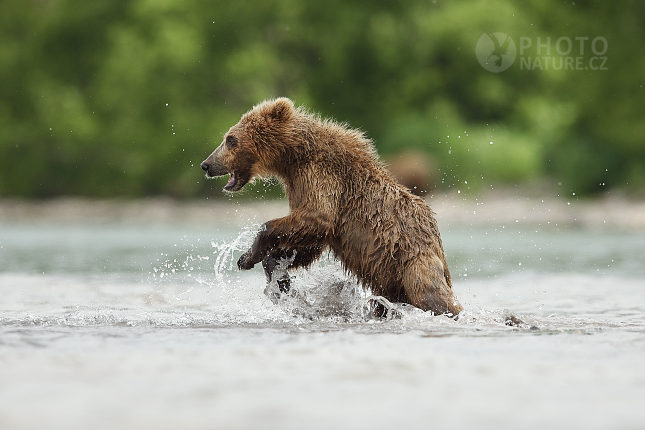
[127, 97]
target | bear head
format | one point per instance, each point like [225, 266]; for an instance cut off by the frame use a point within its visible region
[251, 146]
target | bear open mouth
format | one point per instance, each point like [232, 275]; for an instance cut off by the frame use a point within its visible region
[232, 183]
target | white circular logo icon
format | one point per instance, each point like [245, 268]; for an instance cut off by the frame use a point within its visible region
[495, 51]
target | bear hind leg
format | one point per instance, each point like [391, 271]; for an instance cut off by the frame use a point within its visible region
[424, 282]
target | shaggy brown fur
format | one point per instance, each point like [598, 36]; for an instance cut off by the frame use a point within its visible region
[341, 198]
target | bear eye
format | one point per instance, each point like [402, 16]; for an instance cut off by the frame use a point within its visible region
[231, 141]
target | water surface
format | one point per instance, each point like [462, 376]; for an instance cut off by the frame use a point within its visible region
[126, 325]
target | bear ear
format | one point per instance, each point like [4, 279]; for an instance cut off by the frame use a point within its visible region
[280, 110]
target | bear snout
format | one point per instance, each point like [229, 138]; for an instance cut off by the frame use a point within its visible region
[214, 167]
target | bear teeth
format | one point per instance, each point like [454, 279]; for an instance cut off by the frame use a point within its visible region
[231, 182]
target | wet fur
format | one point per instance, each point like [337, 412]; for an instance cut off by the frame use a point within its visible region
[341, 198]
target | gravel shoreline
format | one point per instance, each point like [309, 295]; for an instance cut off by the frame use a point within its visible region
[609, 212]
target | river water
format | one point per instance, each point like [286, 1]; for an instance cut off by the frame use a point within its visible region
[150, 325]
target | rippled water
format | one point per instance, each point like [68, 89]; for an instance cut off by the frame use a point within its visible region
[151, 326]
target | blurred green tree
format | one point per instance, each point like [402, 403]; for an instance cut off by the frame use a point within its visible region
[125, 98]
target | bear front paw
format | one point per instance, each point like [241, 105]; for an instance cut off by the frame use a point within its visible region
[245, 262]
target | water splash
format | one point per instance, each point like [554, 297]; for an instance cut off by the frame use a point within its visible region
[325, 292]
[322, 292]
[199, 285]
[225, 250]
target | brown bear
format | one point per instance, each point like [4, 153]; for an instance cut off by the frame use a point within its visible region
[342, 198]
[414, 169]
